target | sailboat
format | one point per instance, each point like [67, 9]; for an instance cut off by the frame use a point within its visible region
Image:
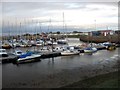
[28, 56]
[63, 41]
[5, 44]
[68, 50]
[90, 49]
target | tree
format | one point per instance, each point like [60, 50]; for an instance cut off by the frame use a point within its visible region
[75, 31]
[58, 32]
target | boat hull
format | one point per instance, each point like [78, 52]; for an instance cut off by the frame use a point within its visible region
[69, 53]
[29, 59]
[110, 48]
[6, 47]
[88, 51]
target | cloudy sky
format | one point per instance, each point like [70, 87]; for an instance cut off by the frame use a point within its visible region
[83, 15]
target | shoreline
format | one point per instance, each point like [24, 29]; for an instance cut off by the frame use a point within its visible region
[67, 76]
[100, 39]
[109, 80]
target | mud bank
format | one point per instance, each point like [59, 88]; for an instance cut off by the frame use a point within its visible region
[67, 76]
[109, 80]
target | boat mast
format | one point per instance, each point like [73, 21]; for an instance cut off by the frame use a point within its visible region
[63, 23]
[12, 37]
[66, 32]
[20, 31]
[64, 26]
[40, 28]
[37, 34]
[25, 29]
[36, 29]
[49, 31]
[41, 33]
[16, 28]
[34, 34]
[9, 31]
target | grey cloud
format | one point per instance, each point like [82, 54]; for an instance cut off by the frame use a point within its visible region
[60, 1]
[42, 8]
[30, 9]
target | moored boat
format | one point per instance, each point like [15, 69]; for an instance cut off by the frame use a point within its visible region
[28, 57]
[22, 45]
[16, 44]
[39, 43]
[6, 46]
[111, 47]
[62, 41]
[69, 52]
[18, 52]
[3, 53]
[58, 49]
[90, 49]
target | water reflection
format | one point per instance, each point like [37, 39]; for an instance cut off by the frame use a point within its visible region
[37, 70]
[88, 53]
[34, 71]
[51, 62]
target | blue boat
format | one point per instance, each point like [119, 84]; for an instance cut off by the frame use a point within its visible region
[29, 57]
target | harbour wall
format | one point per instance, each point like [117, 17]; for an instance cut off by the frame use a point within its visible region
[100, 39]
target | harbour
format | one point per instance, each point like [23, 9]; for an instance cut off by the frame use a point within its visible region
[58, 71]
[48, 53]
[59, 45]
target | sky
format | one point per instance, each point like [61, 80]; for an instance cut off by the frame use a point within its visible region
[76, 15]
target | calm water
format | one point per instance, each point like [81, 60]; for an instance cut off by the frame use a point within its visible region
[36, 71]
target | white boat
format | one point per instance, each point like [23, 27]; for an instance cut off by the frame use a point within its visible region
[55, 43]
[62, 41]
[16, 44]
[23, 45]
[33, 43]
[90, 49]
[3, 53]
[69, 52]
[18, 52]
[49, 43]
[58, 49]
[94, 49]
[46, 49]
[106, 43]
[29, 45]
[38, 44]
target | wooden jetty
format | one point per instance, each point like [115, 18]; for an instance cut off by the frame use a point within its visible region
[50, 54]
[12, 58]
[8, 59]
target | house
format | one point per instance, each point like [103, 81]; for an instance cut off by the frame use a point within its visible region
[106, 32]
[102, 32]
